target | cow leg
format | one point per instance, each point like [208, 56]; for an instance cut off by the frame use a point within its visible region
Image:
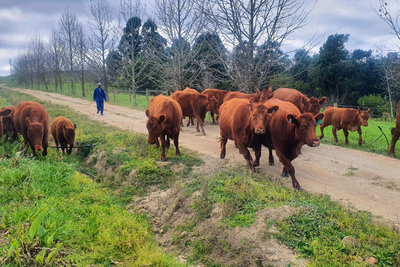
[290, 169]
[200, 122]
[395, 137]
[58, 148]
[212, 117]
[271, 158]
[188, 122]
[247, 156]
[346, 136]
[334, 132]
[359, 136]
[176, 138]
[322, 132]
[257, 149]
[191, 120]
[166, 139]
[63, 146]
[45, 143]
[163, 145]
[157, 143]
[33, 150]
[284, 172]
[223, 147]
[70, 149]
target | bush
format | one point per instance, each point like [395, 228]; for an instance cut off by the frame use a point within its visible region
[377, 104]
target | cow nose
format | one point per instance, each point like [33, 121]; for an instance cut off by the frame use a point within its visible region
[38, 147]
[315, 143]
[260, 131]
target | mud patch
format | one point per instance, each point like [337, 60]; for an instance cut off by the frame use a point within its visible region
[179, 231]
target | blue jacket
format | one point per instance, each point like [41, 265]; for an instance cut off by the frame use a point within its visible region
[99, 94]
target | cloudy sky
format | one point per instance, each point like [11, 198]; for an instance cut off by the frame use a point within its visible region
[20, 20]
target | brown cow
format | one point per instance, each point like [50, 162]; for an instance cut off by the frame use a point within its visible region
[288, 130]
[218, 94]
[7, 118]
[196, 105]
[395, 131]
[63, 132]
[31, 120]
[257, 96]
[242, 121]
[348, 119]
[164, 122]
[301, 101]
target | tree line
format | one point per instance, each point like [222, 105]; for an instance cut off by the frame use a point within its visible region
[224, 44]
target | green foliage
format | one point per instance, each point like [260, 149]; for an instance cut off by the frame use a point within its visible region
[377, 104]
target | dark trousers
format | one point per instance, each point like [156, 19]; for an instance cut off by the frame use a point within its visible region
[100, 106]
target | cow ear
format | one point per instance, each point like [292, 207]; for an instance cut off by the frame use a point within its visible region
[322, 100]
[6, 112]
[319, 117]
[273, 109]
[161, 118]
[251, 104]
[270, 89]
[257, 91]
[359, 110]
[368, 110]
[147, 112]
[27, 121]
[74, 126]
[292, 119]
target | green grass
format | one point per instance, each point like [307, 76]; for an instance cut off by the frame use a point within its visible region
[49, 203]
[369, 134]
[315, 229]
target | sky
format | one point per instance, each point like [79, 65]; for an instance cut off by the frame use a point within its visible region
[21, 20]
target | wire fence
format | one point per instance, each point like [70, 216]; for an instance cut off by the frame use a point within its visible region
[384, 113]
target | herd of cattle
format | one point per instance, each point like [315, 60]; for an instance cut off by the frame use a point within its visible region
[31, 120]
[283, 120]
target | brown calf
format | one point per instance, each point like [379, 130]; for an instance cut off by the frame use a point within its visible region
[348, 119]
[395, 131]
[217, 94]
[196, 105]
[288, 130]
[63, 132]
[164, 122]
[243, 121]
[31, 120]
[7, 118]
[301, 101]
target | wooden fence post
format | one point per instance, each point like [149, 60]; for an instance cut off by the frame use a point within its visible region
[115, 91]
[335, 105]
[147, 97]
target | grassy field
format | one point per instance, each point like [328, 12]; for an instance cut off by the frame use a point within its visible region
[369, 135]
[80, 209]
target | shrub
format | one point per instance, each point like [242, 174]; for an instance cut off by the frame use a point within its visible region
[377, 104]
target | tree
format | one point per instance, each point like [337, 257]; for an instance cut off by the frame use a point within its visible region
[329, 70]
[57, 57]
[249, 24]
[102, 39]
[69, 27]
[389, 73]
[81, 55]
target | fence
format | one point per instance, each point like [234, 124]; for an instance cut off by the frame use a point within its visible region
[148, 93]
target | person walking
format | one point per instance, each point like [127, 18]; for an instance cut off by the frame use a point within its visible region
[99, 96]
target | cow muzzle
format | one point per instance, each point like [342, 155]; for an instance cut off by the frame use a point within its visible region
[38, 147]
[314, 143]
[151, 142]
[260, 131]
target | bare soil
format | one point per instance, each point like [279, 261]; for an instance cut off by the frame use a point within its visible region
[358, 179]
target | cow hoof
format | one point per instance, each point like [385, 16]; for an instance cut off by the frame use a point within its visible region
[197, 130]
[300, 153]
[271, 164]
[204, 133]
[222, 157]
[163, 159]
[285, 175]
[300, 189]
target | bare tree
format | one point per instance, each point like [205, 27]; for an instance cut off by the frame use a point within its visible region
[81, 54]
[57, 57]
[38, 50]
[128, 9]
[182, 23]
[69, 25]
[383, 11]
[102, 39]
[255, 31]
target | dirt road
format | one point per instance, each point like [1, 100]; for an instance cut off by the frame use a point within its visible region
[364, 180]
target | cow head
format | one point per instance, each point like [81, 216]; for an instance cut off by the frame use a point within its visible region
[259, 113]
[8, 124]
[265, 94]
[315, 104]
[154, 126]
[69, 134]
[213, 105]
[35, 133]
[305, 127]
[363, 116]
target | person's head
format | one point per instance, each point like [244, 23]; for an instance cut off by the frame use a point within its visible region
[99, 85]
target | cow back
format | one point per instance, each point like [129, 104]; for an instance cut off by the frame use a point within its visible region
[34, 111]
[58, 126]
[347, 118]
[170, 108]
[216, 93]
[7, 117]
[293, 96]
[234, 117]
[191, 103]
